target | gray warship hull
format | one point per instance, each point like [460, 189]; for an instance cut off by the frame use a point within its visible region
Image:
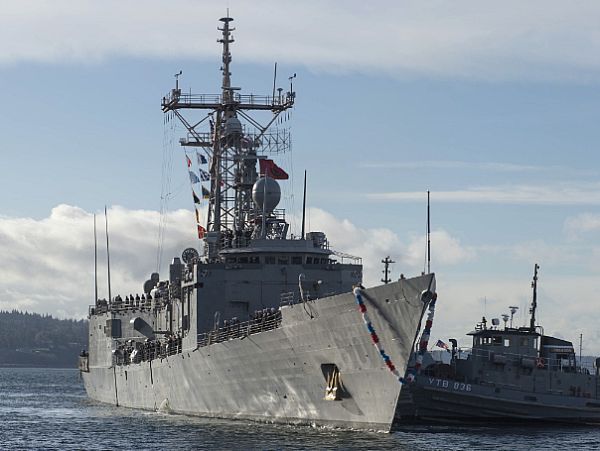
[277, 375]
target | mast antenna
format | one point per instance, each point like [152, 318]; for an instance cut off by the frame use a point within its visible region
[107, 252]
[387, 261]
[428, 237]
[580, 349]
[304, 206]
[534, 300]
[95, 263]
[177, 75]
[274, 79]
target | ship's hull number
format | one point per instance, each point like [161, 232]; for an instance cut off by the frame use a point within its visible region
[444, 383]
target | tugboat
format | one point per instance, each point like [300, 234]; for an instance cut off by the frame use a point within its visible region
[257, 323]
[511, 373]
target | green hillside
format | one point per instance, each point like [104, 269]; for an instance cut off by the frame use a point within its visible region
[31, 339]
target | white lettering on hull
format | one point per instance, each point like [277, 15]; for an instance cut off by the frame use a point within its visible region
[446, 384]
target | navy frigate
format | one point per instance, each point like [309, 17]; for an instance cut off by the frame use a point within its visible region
[257, 324]
[510, 373]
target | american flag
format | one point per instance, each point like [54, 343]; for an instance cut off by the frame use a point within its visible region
[441, 344]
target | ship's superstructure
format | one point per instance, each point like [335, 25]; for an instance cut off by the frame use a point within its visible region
[513, 373]
[259, 324]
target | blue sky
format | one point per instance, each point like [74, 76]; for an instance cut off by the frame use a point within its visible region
[492, 108]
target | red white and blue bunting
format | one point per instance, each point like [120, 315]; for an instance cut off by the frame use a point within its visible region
[358, 295]
[423, 343]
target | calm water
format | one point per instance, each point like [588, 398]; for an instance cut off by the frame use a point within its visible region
[48, 409]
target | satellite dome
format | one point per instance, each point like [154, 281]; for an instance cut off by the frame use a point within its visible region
[267, 190]
[233, 126]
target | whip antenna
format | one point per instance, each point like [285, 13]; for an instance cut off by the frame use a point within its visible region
[107, 252]
[428, 237]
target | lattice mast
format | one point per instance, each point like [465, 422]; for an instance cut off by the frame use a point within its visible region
[233, 149]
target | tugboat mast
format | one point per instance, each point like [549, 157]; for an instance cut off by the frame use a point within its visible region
[233, 151]
[534, 300]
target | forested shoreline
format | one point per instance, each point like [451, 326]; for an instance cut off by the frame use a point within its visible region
[32, 339]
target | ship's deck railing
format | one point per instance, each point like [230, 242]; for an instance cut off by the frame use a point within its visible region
[275, 141]
[287, 298]
[135, 352]
[268, 321]
[123, 306]
[517, 359]
[177, 98]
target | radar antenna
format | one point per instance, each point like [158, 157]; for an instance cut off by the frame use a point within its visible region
[513, 310]
[234, 142]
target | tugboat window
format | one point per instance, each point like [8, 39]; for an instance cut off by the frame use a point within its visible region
[270, 260]
[507, 342]
[497, 340]
[296, 260]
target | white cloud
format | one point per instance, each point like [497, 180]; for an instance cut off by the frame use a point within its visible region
[447, 250]
[47, 264]
[583, 223]
[557, 194]
[449, 164]
[509, 40]
[374, 244]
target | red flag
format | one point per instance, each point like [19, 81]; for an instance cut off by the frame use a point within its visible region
[270, 169]
[201, 231]
[189, 162]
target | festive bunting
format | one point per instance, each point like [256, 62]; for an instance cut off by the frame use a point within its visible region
[189, 162]
[204, 176]
[201, 158]
[358, 295]
[196, 198]
[410, 377]
[201, 231]
[193, 177]
[205, 194]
